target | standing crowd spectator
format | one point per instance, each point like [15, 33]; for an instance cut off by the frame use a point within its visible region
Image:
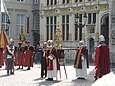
[43, 61]
[29, 53]
[20, 56]
[38, 54]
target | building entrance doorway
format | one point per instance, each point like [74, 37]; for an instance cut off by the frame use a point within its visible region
[91, 48]
[105, 27]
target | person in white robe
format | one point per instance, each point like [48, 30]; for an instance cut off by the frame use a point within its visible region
[52, 61]
[81, 61]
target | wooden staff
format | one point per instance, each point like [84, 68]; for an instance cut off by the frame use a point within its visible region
[65, 70]
[60, 73]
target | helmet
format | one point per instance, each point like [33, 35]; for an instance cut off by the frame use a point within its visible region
[101, 38]
[11, 40]
[27, 42]
[81, 42]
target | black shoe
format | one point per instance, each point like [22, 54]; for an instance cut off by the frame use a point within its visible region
[95, 78]
[12, 73]
[22, 68]
[28, 68]
[49, 79]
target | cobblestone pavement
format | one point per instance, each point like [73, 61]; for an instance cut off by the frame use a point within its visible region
[32, 77]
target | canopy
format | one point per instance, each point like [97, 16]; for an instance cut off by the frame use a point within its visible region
[3, 39]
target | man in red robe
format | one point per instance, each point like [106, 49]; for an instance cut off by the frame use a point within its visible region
[29, 53]
[20, 53]
[81, 61]
[102, 59]
[52, 61]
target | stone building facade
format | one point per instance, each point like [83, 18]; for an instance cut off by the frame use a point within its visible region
[17, 15]
[71, 15]
[78, 20]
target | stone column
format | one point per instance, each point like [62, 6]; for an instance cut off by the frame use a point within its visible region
[112, 29]
[97, 28]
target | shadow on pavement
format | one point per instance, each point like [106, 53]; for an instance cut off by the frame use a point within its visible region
[38, 79]
[80, 81]
[4, 75]
[47, 83]
[85, 82]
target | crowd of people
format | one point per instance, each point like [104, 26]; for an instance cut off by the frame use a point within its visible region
[21, 56]
[24, 56]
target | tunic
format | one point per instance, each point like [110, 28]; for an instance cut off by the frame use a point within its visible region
[29, 57]
[52, 63]
[10, 56]
[20, 60]
[102, 61]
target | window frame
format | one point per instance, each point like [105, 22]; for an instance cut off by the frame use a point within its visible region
[4, 23]
[21, 22]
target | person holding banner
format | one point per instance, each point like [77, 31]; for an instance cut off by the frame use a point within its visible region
[81, 61]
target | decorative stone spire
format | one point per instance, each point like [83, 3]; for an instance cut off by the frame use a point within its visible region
[58, 37]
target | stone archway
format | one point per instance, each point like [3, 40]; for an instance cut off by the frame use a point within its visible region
[104, 30]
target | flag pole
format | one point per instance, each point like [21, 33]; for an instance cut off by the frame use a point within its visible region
[9, 19]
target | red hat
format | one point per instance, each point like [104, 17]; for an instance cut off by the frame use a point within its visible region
[27, 42]
[19, 42]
